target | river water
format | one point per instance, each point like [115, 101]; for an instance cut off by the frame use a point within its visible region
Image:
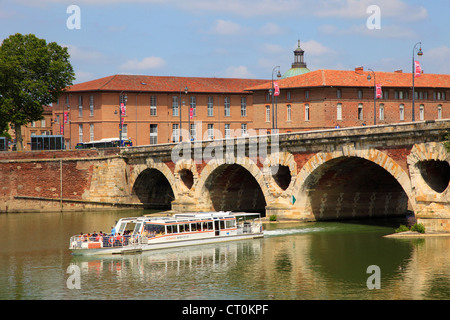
[323, 260]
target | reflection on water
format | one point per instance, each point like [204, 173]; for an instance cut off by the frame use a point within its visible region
[325, 260]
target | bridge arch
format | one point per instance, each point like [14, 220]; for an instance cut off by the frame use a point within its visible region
[236, 185]
[429, 169]
[153, 184]
[352, 183]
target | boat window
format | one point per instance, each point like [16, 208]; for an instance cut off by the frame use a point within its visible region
[137, 229]
[199, 226]
[181, 226]
[172, 228]
[122, 227]
[222, 224]
[230, 224]
[193, 226]
[186, 227]
[153, 230]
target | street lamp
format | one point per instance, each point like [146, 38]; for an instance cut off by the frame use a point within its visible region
[272, 93]
[419, 53]
[180, 137]
[122, 104]
[374, 96]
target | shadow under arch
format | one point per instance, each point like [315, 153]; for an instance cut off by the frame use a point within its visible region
[153, 189]
[352, 185]
[231, 187]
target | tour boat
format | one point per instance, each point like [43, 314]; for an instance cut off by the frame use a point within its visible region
[136, 234]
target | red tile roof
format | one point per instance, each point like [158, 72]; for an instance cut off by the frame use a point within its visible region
[340, 78]
[166, 84]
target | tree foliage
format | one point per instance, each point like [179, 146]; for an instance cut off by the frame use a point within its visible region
[33, 73]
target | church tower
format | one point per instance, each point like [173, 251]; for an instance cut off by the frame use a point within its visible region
[299, 65]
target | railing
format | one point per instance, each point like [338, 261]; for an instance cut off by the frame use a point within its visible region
[105, 241]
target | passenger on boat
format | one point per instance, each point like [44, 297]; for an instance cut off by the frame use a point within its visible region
[113, 231]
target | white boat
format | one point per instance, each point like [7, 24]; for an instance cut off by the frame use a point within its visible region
[136, 234]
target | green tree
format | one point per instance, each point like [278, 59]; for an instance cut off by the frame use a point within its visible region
[33, 73]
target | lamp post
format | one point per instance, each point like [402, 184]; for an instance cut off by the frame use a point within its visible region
[419, 53]
[374, 96]
[122, 104]
[271, 91]
[179, 111]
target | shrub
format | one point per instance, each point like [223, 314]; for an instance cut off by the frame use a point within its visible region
[273, 217]
[418, 227]
[402, 228]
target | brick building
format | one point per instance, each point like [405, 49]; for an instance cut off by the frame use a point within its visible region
[324, 99]
[154, 109]
[35, 128]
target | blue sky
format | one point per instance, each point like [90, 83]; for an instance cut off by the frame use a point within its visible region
[235, 38]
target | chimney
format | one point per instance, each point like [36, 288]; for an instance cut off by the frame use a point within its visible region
[359, 70]
[398, 71]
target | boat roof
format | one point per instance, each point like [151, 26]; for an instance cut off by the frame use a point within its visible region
[189, 216]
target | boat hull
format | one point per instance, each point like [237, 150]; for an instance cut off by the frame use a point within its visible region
[163, 245]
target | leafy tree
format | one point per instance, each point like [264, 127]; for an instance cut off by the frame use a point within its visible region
[33, 73]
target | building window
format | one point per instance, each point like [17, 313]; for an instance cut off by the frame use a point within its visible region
[382, 111]
[402, 112]
[244, 129]
[386, 94]
[226, 106]
[43, 123]
[439, 95]
[288, 112]
[153, 134]
[175, 106]
[67, 99]
[80, 106]
[153, 106]
[193, 132]
[91, 132]
[360, 112]
[360, 94]
[422, 112]
[210, 106]
[439, 111]
[339, 93]
[227, 131]
[288, 96]
[243, 106]
[307, 115]
[210, 131]
[339, 111]
[307, 94]
[91, 105]
[193, 106]
[268, 96]
[267, 113]
[124, 131]
[80, 133]
[175, 133]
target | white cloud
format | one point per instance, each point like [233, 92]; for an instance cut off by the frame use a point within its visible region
[386, 31]
[238, 72]
[436, 60]
[84, 54]
[357, 9]
[271, 29]
[222, 27]
[144, 64]
[314, 47]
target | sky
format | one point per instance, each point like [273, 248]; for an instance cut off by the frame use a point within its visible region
[235, 38]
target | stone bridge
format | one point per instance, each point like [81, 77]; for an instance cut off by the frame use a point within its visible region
[363, 172]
